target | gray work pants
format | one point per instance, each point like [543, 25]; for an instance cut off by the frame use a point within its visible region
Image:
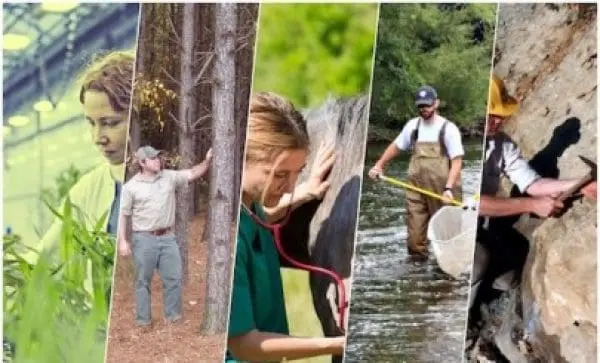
[157, 252]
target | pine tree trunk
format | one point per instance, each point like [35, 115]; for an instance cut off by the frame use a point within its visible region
[222, 176]
[187, 114]
[134, 126]
[204, 45]
[247, 19]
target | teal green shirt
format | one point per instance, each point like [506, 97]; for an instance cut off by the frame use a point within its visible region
[257, 294]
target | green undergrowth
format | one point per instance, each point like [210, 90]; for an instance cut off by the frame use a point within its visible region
[56, 302]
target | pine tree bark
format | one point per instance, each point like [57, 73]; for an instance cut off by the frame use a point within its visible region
[186, 116]
[205, 39]
[222, 177]
[134, 125]
[246, 29]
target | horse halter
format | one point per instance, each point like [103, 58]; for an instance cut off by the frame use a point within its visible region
[276, 229]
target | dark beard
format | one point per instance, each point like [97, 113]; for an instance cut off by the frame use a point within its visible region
[429, 117]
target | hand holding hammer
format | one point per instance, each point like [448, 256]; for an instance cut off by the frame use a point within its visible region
[586, 186]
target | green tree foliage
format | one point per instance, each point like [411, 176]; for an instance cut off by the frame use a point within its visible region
[308, 51]
[447, 46]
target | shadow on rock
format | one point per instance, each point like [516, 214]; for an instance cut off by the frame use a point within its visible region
[496, 317]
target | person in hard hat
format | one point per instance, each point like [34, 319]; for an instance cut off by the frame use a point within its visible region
[437, 151]
[277, 148]
[148, 209]
[503, 157]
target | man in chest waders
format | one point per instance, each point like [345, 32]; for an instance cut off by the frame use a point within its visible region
[435, 165]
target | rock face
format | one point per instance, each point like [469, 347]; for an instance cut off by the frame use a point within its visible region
[547, 56]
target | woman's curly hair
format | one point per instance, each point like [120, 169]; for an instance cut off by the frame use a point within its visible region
[112, 74]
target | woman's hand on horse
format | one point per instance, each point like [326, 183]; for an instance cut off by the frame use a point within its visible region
[316, 184]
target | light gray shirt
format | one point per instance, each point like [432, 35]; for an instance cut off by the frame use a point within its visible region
[151, 202]
[503, 157]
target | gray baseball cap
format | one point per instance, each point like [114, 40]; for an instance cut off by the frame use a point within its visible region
[146, 152]
[425, 96]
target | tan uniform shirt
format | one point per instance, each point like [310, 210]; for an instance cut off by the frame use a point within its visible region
[151, 202]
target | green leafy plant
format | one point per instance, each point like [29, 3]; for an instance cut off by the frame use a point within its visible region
[56, 301]
[63, 183]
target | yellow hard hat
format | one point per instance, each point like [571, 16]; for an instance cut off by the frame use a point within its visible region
[501, 103]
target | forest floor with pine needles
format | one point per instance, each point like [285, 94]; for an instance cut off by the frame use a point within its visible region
[170, 343]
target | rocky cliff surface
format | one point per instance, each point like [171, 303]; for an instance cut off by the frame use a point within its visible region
[547, 56]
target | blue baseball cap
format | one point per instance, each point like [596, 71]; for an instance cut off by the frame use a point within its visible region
[425, 96]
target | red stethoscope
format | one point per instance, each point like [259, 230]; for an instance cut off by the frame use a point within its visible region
[339, 281]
